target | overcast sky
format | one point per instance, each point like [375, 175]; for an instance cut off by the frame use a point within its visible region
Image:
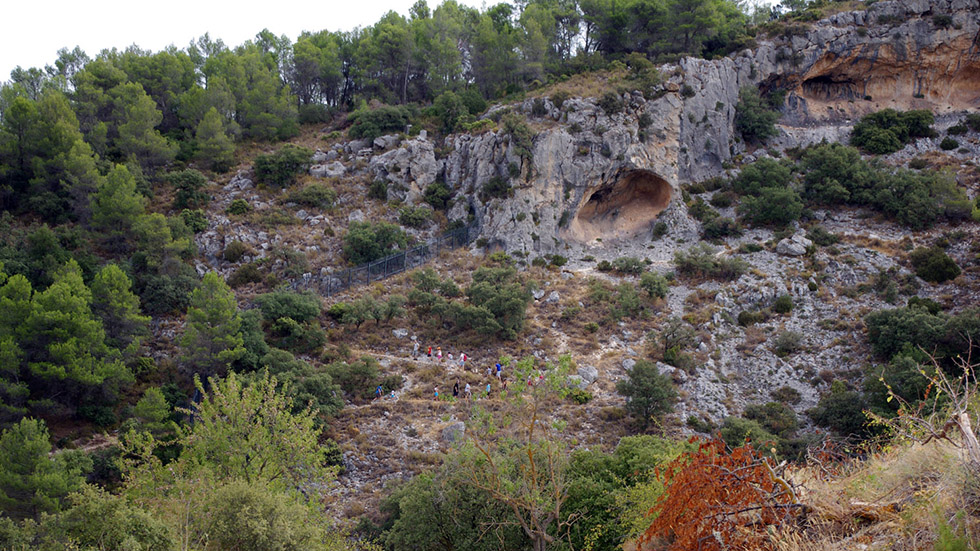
[32, 32]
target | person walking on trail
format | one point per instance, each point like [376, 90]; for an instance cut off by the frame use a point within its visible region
[439, 353]
[430, 352]
[489, 370]
[436, 397]
[462, 360]
[378, 392]
[468, 392]
[415, 349]
[456, 389]
[450, 360]
[488, 390]
[499, 368]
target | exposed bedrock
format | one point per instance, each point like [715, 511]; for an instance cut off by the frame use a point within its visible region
[595, 175]
[622, 209]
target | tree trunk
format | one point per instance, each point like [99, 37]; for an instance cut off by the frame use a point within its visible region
[969, 439]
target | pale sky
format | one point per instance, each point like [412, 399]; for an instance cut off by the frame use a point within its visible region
[32, 32]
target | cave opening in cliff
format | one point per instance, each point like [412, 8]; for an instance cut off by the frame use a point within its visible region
[831, 87]
[622, 209]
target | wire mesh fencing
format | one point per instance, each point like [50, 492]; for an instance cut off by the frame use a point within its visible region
[328, 284]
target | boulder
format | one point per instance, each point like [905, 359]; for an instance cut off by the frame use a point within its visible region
[454, 432]
[794, 246]
[400, 333]
[335, 169]
[588, 373]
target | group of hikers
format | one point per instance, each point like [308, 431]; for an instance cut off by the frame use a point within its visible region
[436, 355]
[466, 392]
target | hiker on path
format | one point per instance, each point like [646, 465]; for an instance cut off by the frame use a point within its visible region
[415, 349]
[436, 397]
[450, 360]
[439, 353]
[378, 392]
[489, 370]
[462, 360]
[430, 352]
[488, 390]
[468, 392]
[456, 389]
[499, 368]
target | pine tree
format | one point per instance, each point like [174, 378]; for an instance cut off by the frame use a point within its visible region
[32, 482]
[116, 206]
[115, 304]
[214, 147]
[213, 339]
[64, 342]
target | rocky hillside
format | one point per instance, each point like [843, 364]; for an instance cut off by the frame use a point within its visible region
[595, 178]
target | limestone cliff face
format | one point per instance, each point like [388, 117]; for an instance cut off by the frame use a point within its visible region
[603, 176]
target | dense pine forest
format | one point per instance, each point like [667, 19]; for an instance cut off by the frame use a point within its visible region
[151, 401]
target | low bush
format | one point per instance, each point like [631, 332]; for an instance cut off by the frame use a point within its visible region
[414, 217]
[948, 144]
[280, 168]
[437, 195]
[378, 190]
[386, 119]
[886, 131]
[366, 241]
[314, 195]
[783, 304]
[238, 207]
[628, 265]
[933, 264]
[703, 261]
[654, 284]
[235, 250]
[718, 228]
[754, 118]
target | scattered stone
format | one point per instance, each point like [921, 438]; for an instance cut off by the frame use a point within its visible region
[454, 432]
[794, 246]
[588, 373]
[553, 297]
[628, 364]
[356, 216]
[400, 333]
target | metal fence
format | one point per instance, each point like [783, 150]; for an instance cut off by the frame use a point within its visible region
[393, 264]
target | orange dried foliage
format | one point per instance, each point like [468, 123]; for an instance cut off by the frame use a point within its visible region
[715, 499]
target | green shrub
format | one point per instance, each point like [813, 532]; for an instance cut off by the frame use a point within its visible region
[579, 396]
[495, 188]
[314, 195]
[386, 119]
[721, 227]
[358, 379]
[762, 174]
[749, 317]
[245, 274]
[238, 207]
[559, 97]
[831, 171]
[660, 229]
[841, 410]
[723, 199]
[414, 217]
[437, 195]
[787, 342]
[628, 265]
[700, 211]
[302, 306]
[822, 237]
[948, 144]
[957, 130]
[558, 260]
[753, 116]
[366, 241]
[280, 168]
[772, 207]
[886, 131]
[736, 431]
[648, 392]
[189, 185]
[654, 284]
[702, 261]
[378, 190]
[235, 250]
[195, 220]
[604, 266]
[783, 304]
[973, 121]
[611, 103]
[933, 264]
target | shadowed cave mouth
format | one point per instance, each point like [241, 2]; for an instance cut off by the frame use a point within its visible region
[832, 87]
[623, 209]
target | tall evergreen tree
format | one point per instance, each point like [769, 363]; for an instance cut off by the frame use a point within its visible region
[116, 207]
[214, 147]
[213, 339]
[115, 304]
[32, 482]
